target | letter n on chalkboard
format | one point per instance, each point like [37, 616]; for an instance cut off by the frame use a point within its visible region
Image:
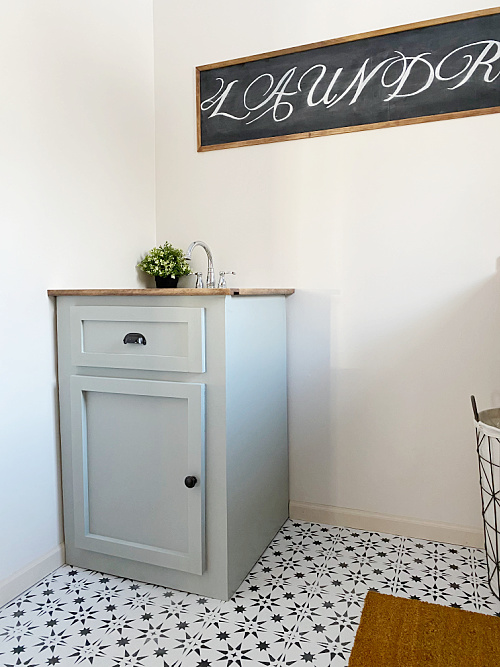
[434, 70]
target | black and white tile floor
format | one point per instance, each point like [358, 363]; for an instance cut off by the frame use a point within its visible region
[300, 605]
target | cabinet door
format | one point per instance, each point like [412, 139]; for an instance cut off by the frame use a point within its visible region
[133, 444]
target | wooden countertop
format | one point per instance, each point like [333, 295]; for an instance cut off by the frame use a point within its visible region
[177, 291]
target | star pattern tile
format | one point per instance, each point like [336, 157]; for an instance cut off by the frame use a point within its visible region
[299, 606]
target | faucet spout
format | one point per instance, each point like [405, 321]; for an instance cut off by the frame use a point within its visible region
[210, 260]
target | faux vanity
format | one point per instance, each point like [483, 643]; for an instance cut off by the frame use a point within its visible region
[173, 420]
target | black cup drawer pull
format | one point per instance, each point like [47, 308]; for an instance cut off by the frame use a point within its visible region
[137, 338]
[190, 482]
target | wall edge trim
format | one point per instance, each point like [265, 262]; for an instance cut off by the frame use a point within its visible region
[387, 523]
[23, 579]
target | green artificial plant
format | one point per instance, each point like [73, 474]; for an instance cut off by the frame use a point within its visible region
[165, 261]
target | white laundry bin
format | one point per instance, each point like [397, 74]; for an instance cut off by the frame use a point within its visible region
[488, 451]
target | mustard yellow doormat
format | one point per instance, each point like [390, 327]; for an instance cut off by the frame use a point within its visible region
[395, 632]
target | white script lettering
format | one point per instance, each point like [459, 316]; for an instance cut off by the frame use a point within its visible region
[471, 65]
[403, 76]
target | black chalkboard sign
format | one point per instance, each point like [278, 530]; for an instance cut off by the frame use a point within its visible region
[435, 70]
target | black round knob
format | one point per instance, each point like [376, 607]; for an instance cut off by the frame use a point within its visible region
[190, 481]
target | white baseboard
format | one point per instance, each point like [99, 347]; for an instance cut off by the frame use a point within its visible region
[386, 523]
[16, 584]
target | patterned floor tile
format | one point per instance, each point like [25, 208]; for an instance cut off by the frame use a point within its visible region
[300, 605]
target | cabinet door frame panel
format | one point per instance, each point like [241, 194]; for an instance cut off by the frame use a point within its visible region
[194, 560]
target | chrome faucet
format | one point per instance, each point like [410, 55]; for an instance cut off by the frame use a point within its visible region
[210, 270]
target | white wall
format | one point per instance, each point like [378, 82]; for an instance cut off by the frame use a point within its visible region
[76, 210]
[391, 238]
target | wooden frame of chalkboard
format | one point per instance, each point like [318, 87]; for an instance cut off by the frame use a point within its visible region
[417, 73]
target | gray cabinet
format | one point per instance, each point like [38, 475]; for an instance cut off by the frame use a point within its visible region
[174, 448]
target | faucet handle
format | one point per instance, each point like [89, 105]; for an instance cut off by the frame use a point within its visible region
[199, 279]
[222, 278]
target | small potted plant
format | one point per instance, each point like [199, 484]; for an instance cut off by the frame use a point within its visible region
[166, 264]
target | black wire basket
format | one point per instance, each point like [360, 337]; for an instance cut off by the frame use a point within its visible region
[488, 451]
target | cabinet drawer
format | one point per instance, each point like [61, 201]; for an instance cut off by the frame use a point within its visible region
[172, 339]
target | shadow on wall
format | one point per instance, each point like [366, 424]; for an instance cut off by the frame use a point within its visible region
[312, 346]
[380, 416]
